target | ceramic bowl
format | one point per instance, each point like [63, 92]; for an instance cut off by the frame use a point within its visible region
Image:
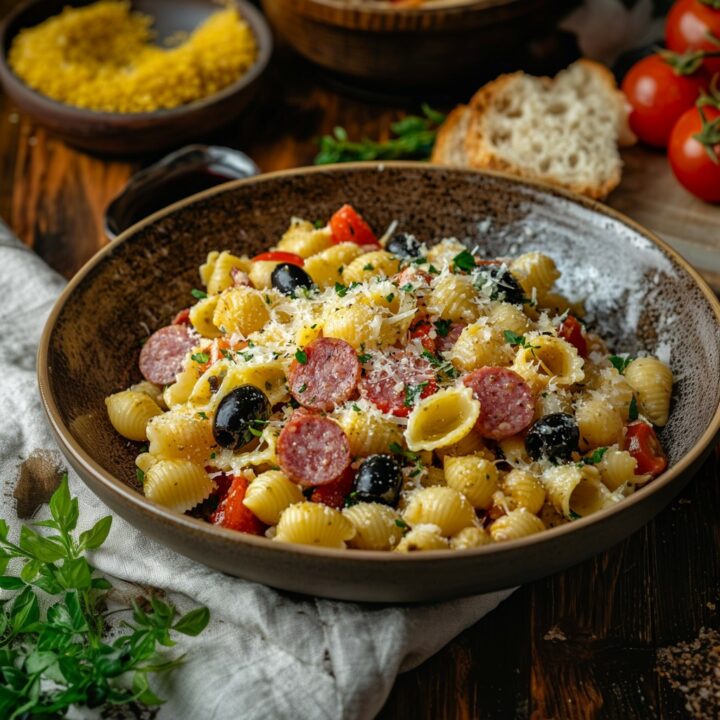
[637, 289]
[134, 133]
[435, 43]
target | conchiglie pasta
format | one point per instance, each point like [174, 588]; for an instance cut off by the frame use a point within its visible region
[535, 270]
[423, 538]
[575, 491]
[326, 267]
[206, 269]
[375, 526]
[179, 392]
[221, 276]
[524, 490]
[260, 273]
[304, 239]
[371, 265]
[144, 461]
[599, 424]
[473, 476]
[442, 254]
[514, 450]
[516, 524]
[151, 390]
[177, 484]
[355, 324]
[130, 411]
[309, 523]
[470, 537]
[442, 506]
[549, 402]
[617, 468]
[504, 316]
[269, 494]
[652, 381]
[241, 310]
[453, 298]
[471, 444]
[175, 435]
[369, 433]
[201, 317]
[479, 346]
[442, 419]
[545, 358]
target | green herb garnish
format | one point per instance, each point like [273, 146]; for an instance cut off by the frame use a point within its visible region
[398, 449]
[257, 431]
[200, 357]
[55, 654]
[633, 409]
[198, 294]
[413, 392]
[402, 525]
[202, 415]
[139, 475]
[620, 363]
[414, 137]
[390, 297]
[464, 261]
[341, 289]
[594, 458]
[302, 388]
[573, 515]
[364, 357]
[356, 408]
[301, 356]
[513, 339]
[442, 327]
[369, 266]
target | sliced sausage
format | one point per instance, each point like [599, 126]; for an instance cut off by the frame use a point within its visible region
[328, 377]
[162, 355]
[312, 449]
[396, 381]
[507, 405]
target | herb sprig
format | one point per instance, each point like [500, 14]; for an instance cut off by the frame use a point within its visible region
[53, 659]
[414, 137]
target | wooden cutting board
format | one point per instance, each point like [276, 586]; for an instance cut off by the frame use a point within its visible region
[650, 194]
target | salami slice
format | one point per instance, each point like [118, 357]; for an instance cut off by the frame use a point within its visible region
[507, 405]
[328, 377]
[161, 357]
[446, 342]
[313, 450]
[395, 382]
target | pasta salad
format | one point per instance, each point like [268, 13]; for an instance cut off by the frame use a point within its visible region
[342, 390]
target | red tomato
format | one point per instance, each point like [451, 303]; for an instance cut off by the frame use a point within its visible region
[348, 226]
[182, 318]
[642, 443]
[571, 330]
[687, 27]
[421, 331]
[658, 96]
[232, 514]
[690, 159]
[279, 256]
[333, 494]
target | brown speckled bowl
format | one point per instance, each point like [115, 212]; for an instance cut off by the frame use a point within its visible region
[646, 296]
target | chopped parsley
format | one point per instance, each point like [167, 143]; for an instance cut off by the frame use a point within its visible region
[198, 294]
[620, 363]
[246, 355]
[364, 357]
[595, 458]
[257, 431]
[212, 455]
[390, 297]
[413, 392]
[301, 356]
[408, 287]
[368, 266]
[443, 327]
[202, 415]
[302, 388]
[140, 475]
[402, 525]
[351, 499]
[464, 261]
[574, 516]
[318, 224]
[633, 410]
[513, 339]
[420, 261]
[226, 354]
[356, 408]
[398, 449]
[433, 270]
[200, 357]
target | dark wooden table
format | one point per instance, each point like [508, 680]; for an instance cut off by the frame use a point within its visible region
[580, 644]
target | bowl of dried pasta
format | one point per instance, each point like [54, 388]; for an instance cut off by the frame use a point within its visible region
[117, 77]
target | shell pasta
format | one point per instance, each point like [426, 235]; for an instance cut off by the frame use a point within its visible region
[397, 394]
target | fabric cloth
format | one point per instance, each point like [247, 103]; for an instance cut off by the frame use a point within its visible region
[265, 654]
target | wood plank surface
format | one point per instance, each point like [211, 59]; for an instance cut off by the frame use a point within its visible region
[580, 644]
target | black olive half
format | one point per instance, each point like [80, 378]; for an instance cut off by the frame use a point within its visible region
[242, 411]
[404, 246]
[378, 480]
[505, 286]
[554, 436]
[289, 278]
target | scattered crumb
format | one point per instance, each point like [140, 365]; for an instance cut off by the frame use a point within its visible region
[555, 633]
[693, 668]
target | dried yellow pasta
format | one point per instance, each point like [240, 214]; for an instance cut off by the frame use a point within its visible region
[423, 538]
[304, 239]
[516, 524]
[241, 310]
[652, 381]
[473, 476]
[442, 506]
[309, 523]
[130, 411]
[177, 484]
[371, 265]
[269, 494]
[375, 526]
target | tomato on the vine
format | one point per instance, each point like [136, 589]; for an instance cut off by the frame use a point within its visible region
[694, 152]
[659, 93]
[693, 25]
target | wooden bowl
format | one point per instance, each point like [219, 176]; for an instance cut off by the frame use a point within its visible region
[642, 293]
[435, 43]
[131, 133]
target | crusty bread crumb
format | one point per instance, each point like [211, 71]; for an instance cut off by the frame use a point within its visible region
[564, 131]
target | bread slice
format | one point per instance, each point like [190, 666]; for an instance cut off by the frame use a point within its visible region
[563, 130]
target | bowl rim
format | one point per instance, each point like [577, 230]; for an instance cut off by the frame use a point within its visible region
[126, 495]
[15, 86]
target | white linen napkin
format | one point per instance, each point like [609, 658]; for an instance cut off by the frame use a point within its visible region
[265, 654]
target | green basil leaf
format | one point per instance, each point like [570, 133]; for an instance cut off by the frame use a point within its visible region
[193, 622]
[61, 504]
[30, 570]
[74, 574]
[72, 603]
[100, 584]
[42, 548]
[25, 610]
[142, 691]
[11, 583]
[4, 529]
[96, 536]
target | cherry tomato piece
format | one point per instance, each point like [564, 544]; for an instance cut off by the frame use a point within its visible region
[642, 443]
[421, 331]
[658, 96]
[688, 26]
[333, 494]
[571, 330]
[232, 514]
[690, 159]
[279, 256]
[182, 318]
[347, 225]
